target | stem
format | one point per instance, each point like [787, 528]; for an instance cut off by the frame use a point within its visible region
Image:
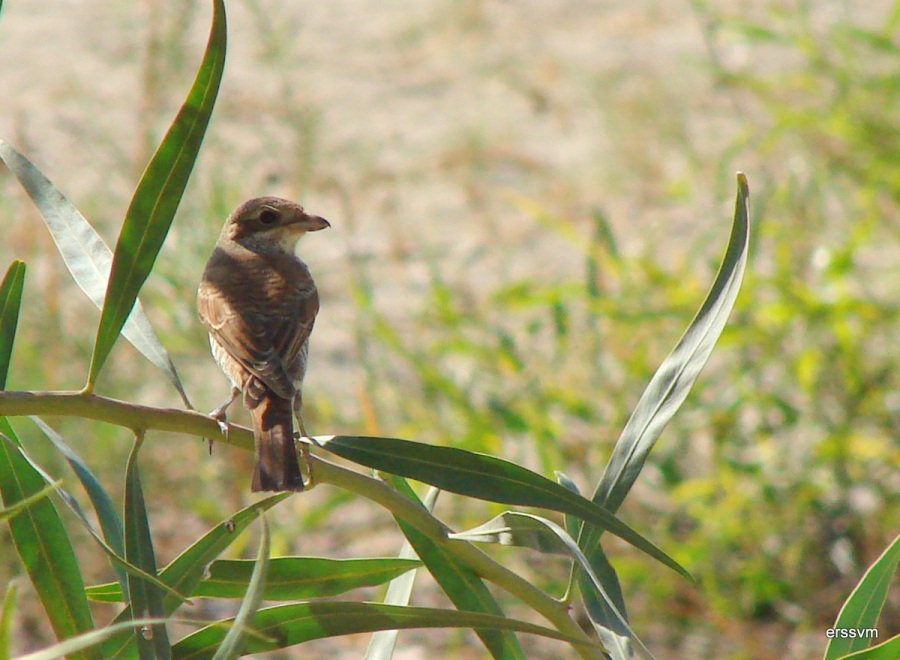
[145, 418]
[121, 413]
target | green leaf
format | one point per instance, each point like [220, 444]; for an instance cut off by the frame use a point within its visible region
[289, 578]
[529, 531]
[483, 477]
[158, 194]
[73, 647]
[283, 626]
[87, 257]
[21, 505]
[888, 650]
[463, 587]
[42, 543]
[294, 578]
[6, 615]
[10, 302]
[863, 607]
[117, 559]
[233, 644]
[110, 523]
[673, 380]
[381, 645]
[144, 597]
[186, 571]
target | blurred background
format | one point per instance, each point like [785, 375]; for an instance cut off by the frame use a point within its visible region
[529, 201]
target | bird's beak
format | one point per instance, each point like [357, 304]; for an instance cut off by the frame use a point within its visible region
[308, 223]
[315, 223]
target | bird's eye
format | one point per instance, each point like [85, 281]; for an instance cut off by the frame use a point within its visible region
[268, 217]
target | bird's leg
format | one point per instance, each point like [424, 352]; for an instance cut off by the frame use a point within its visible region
[219, 415]
[305, 462]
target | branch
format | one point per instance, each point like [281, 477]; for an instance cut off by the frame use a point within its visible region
[146, 418]
[121, 413]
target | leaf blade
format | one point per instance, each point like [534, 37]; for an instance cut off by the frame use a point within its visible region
[144, 597]
[233, 644]
[484, 477]
[42, 543]
[863, 606]
[87, 258]
[10, 304]
[158, 194]
[283, 626]
[672, 382]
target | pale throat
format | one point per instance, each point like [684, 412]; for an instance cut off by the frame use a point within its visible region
[282, 241]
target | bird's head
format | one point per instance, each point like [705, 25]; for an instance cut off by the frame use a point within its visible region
[271, 224]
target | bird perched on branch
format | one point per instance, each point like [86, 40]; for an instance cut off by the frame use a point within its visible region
[259, 302]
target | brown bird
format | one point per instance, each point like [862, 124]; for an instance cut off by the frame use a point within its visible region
[259, 302]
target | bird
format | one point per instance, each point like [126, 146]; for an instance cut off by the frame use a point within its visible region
[259, 302]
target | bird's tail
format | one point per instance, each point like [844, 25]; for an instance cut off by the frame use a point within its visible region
[277, 468]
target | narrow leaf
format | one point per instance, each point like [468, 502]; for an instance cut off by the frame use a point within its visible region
[117, 560]
[673, 380]
[87, 257]
[381, 645]
[110, 523]
[6, 614]
[42, 543]
[863, 607]
[527, 530]
[613, 634]
[284, 626]
[483, 477]
[606, 619]
[10, 302]
[233, 644]
[186, 571]
[72, 648]
[295, 578]
[465, 589]
[21, 505]
[158, 194]
[145, 598]
[888, 650]
[289, 578]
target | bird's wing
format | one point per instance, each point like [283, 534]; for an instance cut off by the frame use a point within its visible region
[265, 341]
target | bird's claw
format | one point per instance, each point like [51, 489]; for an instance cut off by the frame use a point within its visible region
[219, 416]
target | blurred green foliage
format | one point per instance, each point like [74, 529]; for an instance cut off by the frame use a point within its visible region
[778, 483]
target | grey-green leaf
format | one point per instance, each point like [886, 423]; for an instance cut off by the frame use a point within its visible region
[87, 257]
[530, 531]
[21, 505]
[110, 522]
[673, 380]
[232, 646]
